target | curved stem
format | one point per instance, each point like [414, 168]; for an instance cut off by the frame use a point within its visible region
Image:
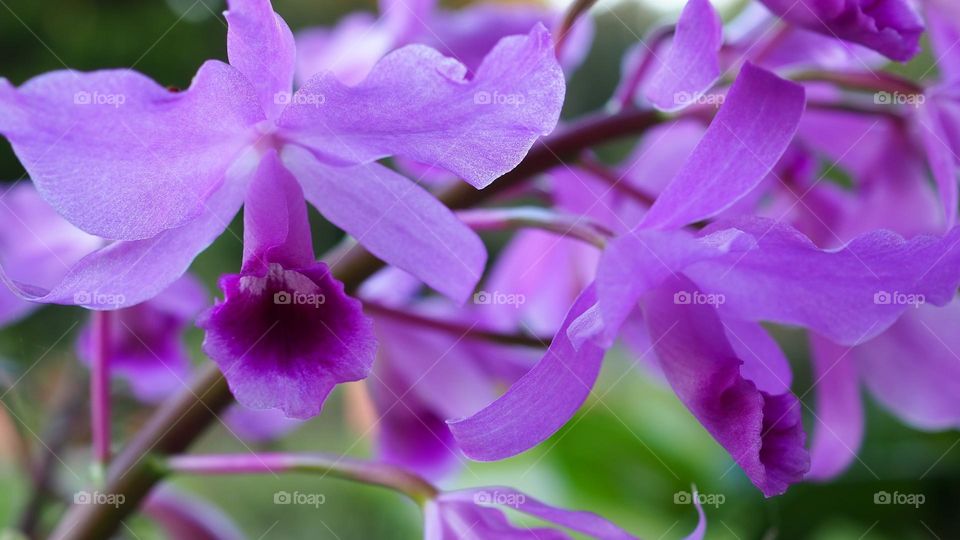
[182, 418]
[455, 328]
[100, 390]
[367, 472]
[870, 81]
[535, 217]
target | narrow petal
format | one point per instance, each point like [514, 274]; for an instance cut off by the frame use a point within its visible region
[576, 520]
[395, 219]
[122, 157]
[125, 273]
[416, 103]
[275, 224]
[848, 295]
[692, 64]
[261, 46]
[763, 361]
[743, 143]
[763, 432]
[838, 417]
[633, 264]
[940, 156]
[539, 403]
[183, 516]
[914, 367]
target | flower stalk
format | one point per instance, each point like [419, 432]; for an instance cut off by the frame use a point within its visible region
[100, 392]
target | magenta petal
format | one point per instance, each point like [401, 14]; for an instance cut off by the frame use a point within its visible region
[395, 219]
[848, 295]
[416, 103]
[261, 46]
[583, 522]
[284, 338]
[743, 143]
[275, 224]
[539, 403]
[185, 517]
[943, 162]
[763, 361]
[692, 64]
[259, 425]
[763, 432]
[913, 368]
[838, 417]
[131, 158]
[891, 27]
[634, 263]
[126, 273]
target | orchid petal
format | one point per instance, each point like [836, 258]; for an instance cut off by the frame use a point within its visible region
[745, 140]
[691, 65]
[539, 403]
[395, 219]
[260, 45]
[120, 156]
[418, 104]
[838, 420]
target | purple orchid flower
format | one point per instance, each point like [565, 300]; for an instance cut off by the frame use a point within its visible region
[116, 126]
[353, 47]
[891, 27]
[469, 514]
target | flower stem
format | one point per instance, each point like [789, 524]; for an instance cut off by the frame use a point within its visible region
[533, 217]
[367, 472]
[100, 391]
[185, 416]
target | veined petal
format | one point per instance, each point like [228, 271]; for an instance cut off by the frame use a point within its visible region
[395, 219]
[539, 403]
[261, 46]
[762, 432]
[122, 157]
[125, 273]
[751, 131]
[838, 417]
[848, 295]
[416, 103]
[692, 64]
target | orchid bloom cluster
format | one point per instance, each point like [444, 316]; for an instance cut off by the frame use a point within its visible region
[725, 220]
